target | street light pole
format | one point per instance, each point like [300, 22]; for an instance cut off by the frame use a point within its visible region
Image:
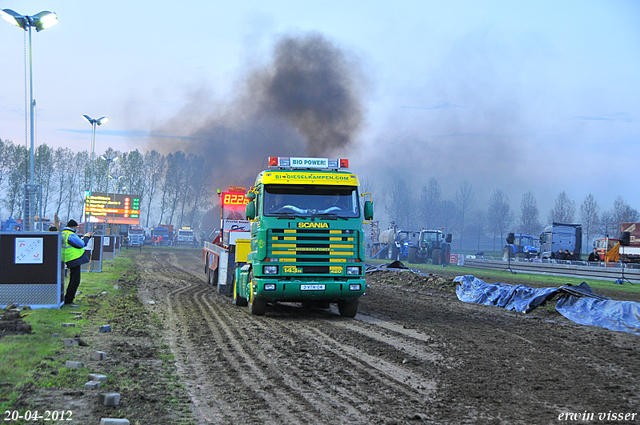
[110, 160]
[40, 21]
[93, 123]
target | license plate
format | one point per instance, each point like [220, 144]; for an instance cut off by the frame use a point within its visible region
[312, 287]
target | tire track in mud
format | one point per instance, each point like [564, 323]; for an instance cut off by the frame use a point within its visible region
[289, 370]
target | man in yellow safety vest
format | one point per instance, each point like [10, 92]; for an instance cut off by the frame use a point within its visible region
[74, 255]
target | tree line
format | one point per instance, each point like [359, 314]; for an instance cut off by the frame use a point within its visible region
[475, 226]
[174, 188]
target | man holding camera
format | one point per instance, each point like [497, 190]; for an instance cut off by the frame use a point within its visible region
[74, 255]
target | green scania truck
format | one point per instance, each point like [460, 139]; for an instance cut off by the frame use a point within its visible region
[307, 241]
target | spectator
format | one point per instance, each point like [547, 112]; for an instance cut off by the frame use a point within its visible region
[558, 256]
[572, 256]
[594, 256]
[567, 255]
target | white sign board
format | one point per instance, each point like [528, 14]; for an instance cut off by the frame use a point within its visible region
[29, 250]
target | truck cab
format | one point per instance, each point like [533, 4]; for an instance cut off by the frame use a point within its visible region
[185, 236]
[307, 240]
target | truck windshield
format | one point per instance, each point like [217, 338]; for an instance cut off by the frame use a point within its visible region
[311, 201]
[135, 231]
[526, 240]
[430, 237]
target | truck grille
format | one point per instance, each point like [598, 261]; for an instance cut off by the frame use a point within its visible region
[305, 248]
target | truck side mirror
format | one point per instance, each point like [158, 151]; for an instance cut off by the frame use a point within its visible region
[368, 210]
[448, 238]
[250, 210]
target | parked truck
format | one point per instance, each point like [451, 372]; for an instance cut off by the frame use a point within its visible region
[160, 235]
[307, 240]
[185, 236]
[561, 236]
[625, 249]
[135, 236]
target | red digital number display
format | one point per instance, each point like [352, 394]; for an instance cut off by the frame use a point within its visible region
[234, 199]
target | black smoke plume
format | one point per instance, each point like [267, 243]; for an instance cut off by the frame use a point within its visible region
[304, 102]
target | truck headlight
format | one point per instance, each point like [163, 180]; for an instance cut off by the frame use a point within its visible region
[269, 286]
[354, 286]
[269, 269]
[353, 270]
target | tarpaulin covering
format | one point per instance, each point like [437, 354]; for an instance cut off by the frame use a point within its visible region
[577, 303]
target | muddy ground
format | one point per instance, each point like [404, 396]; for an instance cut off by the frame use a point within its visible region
[414, 354]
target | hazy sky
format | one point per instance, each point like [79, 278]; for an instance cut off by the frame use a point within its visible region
[542, 96]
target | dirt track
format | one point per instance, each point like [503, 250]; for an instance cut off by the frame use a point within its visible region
[413, 354]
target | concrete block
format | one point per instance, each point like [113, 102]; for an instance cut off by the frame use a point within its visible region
[74, 365]
[70, 342]
[97, 377]
[99, 355]
[92, 385]
[105, 328]
[110, 421]
[75, 313]
[68, 325]
[109, 399]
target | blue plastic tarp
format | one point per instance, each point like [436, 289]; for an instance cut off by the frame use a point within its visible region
[577, 303]
[621, 316]
[519, 298]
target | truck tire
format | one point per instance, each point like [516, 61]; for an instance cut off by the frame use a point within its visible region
[506, 253]
[348, 308]
[436, 256]
[238, 300]
[446, 255]
[257, 307]
[413, 255]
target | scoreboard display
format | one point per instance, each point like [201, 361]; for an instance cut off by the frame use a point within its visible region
[231, 198]
[112, 208]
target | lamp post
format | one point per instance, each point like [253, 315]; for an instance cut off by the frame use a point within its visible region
[109, 160]
[93, 123]
[40, 21]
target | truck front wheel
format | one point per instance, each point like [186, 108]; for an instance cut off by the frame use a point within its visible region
[257, 307]
[348, 308]
[238, 300]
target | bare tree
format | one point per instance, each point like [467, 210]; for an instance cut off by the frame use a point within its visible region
[622, 212]
[400, 206]
[43, 166]
[464, 203]
[564, 209]
[529, 214]
[154, 165]
[499, 216]
[589, 218]
[607, 225]
[18, 177]
[477, 226]
[431, 204]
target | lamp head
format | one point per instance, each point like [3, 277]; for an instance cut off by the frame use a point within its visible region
[44, 20]
[102, 120]
[89, 119]
[13, 18]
